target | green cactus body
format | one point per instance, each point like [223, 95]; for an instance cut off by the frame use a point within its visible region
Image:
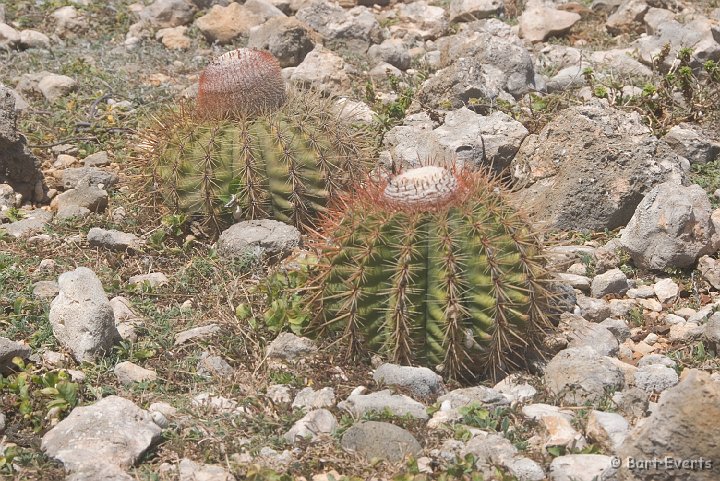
[457, 281]
[283, 164]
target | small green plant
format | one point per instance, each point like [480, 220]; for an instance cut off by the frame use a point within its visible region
[14, 214]
[136, 351]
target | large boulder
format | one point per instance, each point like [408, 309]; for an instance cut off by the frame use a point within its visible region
[590, 167]
[683, 426]
[356, 28]
[18, 166]
[672, 227]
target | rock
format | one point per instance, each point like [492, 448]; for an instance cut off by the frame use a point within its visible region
[287, 38]
[9, 37]
[640, 292]
[290, 347]
[279, 393]
[422, 20]
[217, 404]
[693, 144]
[392, 51]
[323, 70]
[113, 239]
[126, 319]
[19, 168]
[490, 450]
[627, 18]
[581, 283]
[559, 432]
[632, 402]
[113, 430]
[397, 404]
[595, 310]
[80, 202]
[711, 332]
[128, 373]
[309, 398]
[672, 227]
[481, 395]
[81, 316]
[656, 359]
[372, 439]
[683, 425]
[32, 223]
[613, 281]
[515, 388]
[153, 279]
[54, 86]
[666, 290]
[168, 13]
[581, 333]
[95, 177]
[10, 350]
[581, 467]
[314, 424]
[618, 327]
[356, 28]
[270, 237]
[607, 429]
[421, 381]
[201, 332]
[45, 289]
[469, 10]
[590, 167]
[191, 471]
[655, 378]
[98, 159]
[34, 39]
[174, 38]
[224, 24]
[214, 366]
[579, 375]
[538, 23]
[538, 411]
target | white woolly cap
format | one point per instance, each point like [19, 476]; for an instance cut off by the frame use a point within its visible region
[423, 185]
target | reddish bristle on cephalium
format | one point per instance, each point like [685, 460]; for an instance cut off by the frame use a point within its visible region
[241, 83]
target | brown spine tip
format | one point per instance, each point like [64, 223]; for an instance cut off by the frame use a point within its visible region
[423, 186]
[243, 82]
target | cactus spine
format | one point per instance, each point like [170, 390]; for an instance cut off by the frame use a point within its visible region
[437, 269]
[250, 150]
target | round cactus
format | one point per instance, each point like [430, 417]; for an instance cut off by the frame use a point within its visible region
[435, 268]
[249, 150]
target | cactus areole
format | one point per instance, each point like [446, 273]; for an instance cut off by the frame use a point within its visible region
[435, 268]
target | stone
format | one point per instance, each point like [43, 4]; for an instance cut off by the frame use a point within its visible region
[421, 381]
[9, 350]
[98, 159]
[218, 404]
[590, 167]
[113, 430]
[189, 470]
[392, 51]
[355, 28]
[308, 398]
[9, 37]
[640, 292]
[168, 13]
[595, 310]
[481, 395]
[19, 168]
[323, 70]
[581, 283]
[113, 239]
[490, 450]
[81, 316]
[287, 38]
[581, 467]
[618, 327]
[78, 176]
[656, 359]
[710, 270]
[372, 439]
[270, 237]
[580, 333]
[174, 38]
[516, 389]
[34, 39]
[126, 319]
[613, 281]
[86, 198]
[578, 375]
[32, 223]
[627, 18]
[397, 404]
[655, 378]
[152, 279]
[201, 332]
[290, 347]
[672, 227]
[225, 24]
[559, 432]
[55, 86]
[538, 411]
[682, 425]
[421, 19]
[607, 429]
[538, 23]
[692, 143]
[128, 373]
[279, 393]
[214, 366]
[314, 424]
[666, 290]
[45, 289]
[711, 332]
[631, 402]
[469, 10]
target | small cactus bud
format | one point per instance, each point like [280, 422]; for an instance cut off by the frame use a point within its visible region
[243, 82]
[429, 185]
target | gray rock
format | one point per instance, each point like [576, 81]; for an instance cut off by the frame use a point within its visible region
[9, 37]
[314, 424]
[590, 167]
[711, 332]
[68, 21]
[126, 319]
[372, 439]
[666, 290]
[397, 404]
[10, 350]
[113, 430]
[693, 144]
[631, 402]
[538, 411]
[581, 283]
[113, 239]
[98, 159]
[218, 404]
[641, 292]
[34, 39]
[214, 366]
[469, 10]
[271, 237]
[421, 381]
[607, 429]
[8, 198]
[308, 398]
[323, 70]
[223, 24]
[595, 310]
[128, 373]
[618, 327]
[32, 223]
[54, 86]
[538, 23]
[191, 471]
[81, 316]
[287, 38]
[582, 467]
[672, 227]
[515, 388]
[356, 27]
[492, 450]
[649, 359]
[683, 425]
[168, 13]
[655, 378]
[153, 279]
[45, 289]
[392, 51]
[290, 347]
[79, 176]
[481, 395]
[578, 375]
[710, 270]
[19, 168]
[423, 20]
[201, 332]
[279, 393]
[627, 18]
[80, 201]
[613, 281]
[581, 333]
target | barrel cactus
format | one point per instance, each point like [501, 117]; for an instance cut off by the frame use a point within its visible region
[250, 149]
[434, 267]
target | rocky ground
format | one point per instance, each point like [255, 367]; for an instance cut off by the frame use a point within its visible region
[133, 347]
